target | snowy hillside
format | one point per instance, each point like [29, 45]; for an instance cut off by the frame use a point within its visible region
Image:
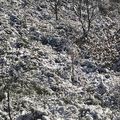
[59, 69]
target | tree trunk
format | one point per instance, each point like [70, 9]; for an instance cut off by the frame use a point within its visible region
[8, 100]
[56, 10]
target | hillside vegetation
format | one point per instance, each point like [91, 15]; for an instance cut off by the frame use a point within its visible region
[59, 60]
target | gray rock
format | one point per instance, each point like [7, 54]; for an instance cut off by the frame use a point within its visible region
[102, 70]
[102, 88]
[25, 117]
[45, 118]
[88, 67]
[14, 20]
[32, 116]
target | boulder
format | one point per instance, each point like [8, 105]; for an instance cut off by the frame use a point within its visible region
[88, 66]
[32, 116]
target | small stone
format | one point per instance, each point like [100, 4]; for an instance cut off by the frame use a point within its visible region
[44, 118]
[102, 89]
[107, 76]
[102, 70]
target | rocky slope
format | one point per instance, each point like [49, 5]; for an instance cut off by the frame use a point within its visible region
[49, 76]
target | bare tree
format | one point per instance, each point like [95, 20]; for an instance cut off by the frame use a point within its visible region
[8, 100]
[85, 11]
[55, 4]
[6, 81]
